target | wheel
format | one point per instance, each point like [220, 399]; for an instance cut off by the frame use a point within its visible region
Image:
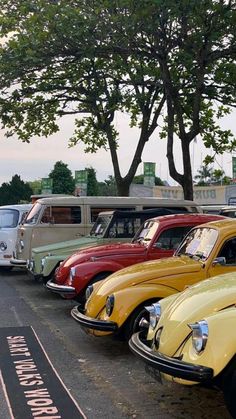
[229, 388]
[99, 277]
[131, 325]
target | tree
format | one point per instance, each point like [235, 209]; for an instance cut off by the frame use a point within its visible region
[35, 185]
[139, 179]
[108, 187]
[207, 175]
[76, 73]
[204, 176]
[194, 44]
[126, 56]
[15, 192]
[63, 181]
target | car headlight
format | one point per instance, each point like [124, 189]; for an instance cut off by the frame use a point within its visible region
[88, 291]
[154, 314]
[110, 304]
[22, 245]
[3, 246]
[30, 264]
[200, 334]
[43, 263]
[72, 274]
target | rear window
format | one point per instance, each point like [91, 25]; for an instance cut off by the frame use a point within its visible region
[9, 218]
[94, 211]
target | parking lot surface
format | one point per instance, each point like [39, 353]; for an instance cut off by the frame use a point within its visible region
[104, 378]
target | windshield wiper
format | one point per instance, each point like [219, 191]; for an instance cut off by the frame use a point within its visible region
[190, 255]
[199, 255]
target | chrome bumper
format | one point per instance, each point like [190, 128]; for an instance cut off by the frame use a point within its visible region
[18, 262]
[60, 289]
[91, 323]
[174, 367]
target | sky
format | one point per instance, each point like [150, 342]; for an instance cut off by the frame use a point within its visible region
[36, 160]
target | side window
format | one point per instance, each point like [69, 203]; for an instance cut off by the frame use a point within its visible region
[125, 227]
[229, 252]
[171, 238]
[62, 215]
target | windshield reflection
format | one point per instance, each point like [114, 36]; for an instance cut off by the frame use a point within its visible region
[198, 243]
[100, 226]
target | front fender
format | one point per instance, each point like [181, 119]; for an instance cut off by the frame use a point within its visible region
[51, 262]
[85, 272]
[221, 343]
[128, 299]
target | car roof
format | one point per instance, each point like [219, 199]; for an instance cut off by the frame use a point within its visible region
[225, 224]
[20, 207]
[191, 217]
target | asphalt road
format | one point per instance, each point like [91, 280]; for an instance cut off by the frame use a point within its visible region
[103, 376]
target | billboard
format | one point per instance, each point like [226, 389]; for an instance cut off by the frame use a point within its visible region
[81, 182]
[46, 185]
[149, 171]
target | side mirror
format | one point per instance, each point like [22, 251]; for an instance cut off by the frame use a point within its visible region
[219, 261]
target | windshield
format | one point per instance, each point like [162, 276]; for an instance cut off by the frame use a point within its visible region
[100, 225]
[198, 243]
[33, 215]
[9, 218]
[146, 232]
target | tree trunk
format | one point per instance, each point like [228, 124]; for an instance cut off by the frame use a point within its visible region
[187, 184]
[123, 187]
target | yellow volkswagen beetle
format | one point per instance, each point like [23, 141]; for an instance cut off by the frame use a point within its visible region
[191, 337]
[116, 304]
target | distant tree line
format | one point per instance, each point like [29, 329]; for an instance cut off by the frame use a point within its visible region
[17, 191]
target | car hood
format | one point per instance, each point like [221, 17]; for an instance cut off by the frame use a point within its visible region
[104, 251]
[69, 244]
[192, 305]
[152, 271]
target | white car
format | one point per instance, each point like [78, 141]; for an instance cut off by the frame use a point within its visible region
[10, 217]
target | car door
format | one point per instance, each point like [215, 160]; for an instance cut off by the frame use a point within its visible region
[227, 251]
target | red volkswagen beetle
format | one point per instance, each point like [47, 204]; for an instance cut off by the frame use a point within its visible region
[157, 238]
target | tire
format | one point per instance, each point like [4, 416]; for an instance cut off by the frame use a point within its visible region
[228, 386]
[99, 277]
[131, 325]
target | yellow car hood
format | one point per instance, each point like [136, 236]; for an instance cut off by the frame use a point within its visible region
[192, 305]
[157, 271]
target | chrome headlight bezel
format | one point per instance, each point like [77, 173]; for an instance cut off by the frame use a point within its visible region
[200, 333]
[43, 263]
[110, 304]
[72, 274]
[3, 246]
[154, 314]
[88, 292]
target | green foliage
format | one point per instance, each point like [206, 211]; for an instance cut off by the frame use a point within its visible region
[15, 192]
[35, 185]
[108, 187]
[94, 58]
[63, 181]
[207, 175]
[139, 179]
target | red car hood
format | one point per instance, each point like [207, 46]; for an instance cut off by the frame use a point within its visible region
[101, 251]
